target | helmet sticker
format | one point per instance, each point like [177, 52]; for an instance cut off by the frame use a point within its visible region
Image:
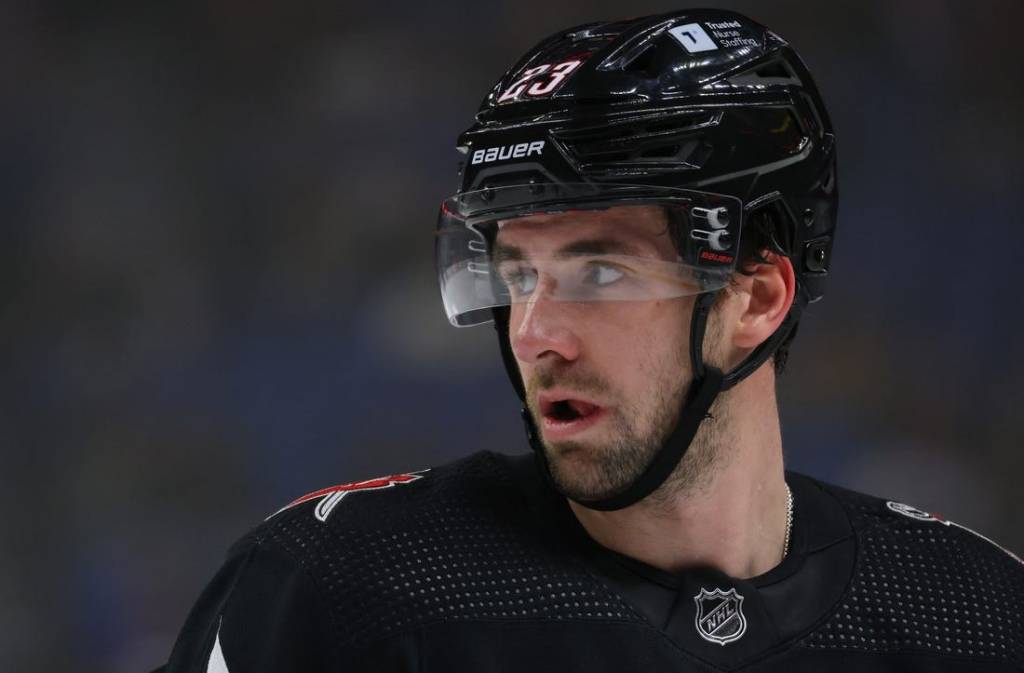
[732, 34]
[723, 34]
[693, 38]
[541, 80]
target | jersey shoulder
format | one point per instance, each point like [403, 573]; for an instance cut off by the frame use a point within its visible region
[295, 589]
[874, 516]
[924, 583]
[393, 501]
[455, 543]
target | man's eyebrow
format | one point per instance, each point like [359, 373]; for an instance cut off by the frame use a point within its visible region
[590, 246]
[506, 253]
[599, 246]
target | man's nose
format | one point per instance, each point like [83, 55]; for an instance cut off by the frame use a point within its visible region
[542, 327]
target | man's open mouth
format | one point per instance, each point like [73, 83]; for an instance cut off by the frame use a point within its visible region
[568, 410]
[562, 414]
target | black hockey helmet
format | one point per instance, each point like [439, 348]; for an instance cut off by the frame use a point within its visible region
[705, 113]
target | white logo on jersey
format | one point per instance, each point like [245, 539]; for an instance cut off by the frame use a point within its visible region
[719, 617]
[912, 512]
[921, 515]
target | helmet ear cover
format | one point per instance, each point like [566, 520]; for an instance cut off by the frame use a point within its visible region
[772, 224]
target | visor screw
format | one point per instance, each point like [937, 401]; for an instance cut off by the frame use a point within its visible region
[808, 217]
[819, 256]
[486, 195]
[535, 188]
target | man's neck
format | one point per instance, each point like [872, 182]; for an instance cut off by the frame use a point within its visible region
[733, 519]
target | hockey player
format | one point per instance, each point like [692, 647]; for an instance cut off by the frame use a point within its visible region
[646, 208]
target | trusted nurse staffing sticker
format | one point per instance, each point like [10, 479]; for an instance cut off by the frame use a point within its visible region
[696, 38]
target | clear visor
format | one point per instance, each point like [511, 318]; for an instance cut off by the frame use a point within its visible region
[581, 243]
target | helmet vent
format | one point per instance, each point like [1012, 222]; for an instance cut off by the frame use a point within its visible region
[652, 144]
[641, 62]
[776, 72]
[663, 152]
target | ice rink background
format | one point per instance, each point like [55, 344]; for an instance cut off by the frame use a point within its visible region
[217, 291]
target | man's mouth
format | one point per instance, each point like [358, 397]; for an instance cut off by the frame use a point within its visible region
[563, 415]
[569, 410]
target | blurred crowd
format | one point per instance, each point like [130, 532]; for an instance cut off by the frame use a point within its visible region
[217, 288]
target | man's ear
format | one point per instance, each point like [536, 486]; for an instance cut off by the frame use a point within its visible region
[770, 286]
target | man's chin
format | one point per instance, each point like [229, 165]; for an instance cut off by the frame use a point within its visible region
[579, 475]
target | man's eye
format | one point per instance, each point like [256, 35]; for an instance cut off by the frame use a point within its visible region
[520, 281]
[602, 274]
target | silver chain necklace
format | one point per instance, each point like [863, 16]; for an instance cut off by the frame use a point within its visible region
[789, 520]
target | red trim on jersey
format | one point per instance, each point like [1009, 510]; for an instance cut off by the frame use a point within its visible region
[368, 485]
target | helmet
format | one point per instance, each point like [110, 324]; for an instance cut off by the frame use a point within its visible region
[703, 113]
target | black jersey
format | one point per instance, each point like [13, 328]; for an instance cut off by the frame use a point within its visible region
[479, 567]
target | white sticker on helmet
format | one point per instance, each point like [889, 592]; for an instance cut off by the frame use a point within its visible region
[693, 38]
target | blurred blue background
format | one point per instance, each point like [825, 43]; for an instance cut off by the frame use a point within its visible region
[217, 287]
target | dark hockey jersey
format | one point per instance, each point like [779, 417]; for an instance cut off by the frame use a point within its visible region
[478, 566]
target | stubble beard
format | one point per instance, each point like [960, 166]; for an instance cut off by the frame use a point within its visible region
[598, 469]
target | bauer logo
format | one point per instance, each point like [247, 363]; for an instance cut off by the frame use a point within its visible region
[505, 152]
[693, 38]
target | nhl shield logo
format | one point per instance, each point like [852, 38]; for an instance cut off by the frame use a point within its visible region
[720, 616]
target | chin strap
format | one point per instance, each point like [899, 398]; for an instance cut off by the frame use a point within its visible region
[708, 382]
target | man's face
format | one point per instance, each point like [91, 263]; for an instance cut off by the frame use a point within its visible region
[604, 379]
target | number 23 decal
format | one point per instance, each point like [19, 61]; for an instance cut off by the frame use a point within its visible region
[541, 80]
